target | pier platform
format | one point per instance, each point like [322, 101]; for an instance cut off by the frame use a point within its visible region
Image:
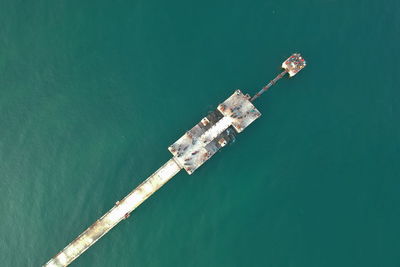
[202, 141]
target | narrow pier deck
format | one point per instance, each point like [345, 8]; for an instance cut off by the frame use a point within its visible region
[120, 211]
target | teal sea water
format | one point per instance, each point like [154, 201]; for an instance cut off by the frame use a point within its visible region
[92, 94]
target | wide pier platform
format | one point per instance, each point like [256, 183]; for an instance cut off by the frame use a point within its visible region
[214, 131]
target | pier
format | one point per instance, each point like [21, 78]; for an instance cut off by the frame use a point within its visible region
[189, 152]
[119, 212]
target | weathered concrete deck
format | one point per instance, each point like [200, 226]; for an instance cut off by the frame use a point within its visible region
[241, 111]
[120, 211]
[193, 148]
[193, 152]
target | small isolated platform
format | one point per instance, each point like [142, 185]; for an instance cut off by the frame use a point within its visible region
[214, 131]
[294, 64]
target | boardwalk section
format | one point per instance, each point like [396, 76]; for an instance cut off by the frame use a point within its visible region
[120, 211]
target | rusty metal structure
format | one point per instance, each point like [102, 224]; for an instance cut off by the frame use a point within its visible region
[292, 65]
[189, 152]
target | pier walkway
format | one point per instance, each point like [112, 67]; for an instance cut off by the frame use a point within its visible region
[120, 211]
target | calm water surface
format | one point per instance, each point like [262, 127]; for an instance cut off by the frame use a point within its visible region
[92, 94]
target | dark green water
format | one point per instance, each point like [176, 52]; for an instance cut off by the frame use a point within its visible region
[91, 95]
